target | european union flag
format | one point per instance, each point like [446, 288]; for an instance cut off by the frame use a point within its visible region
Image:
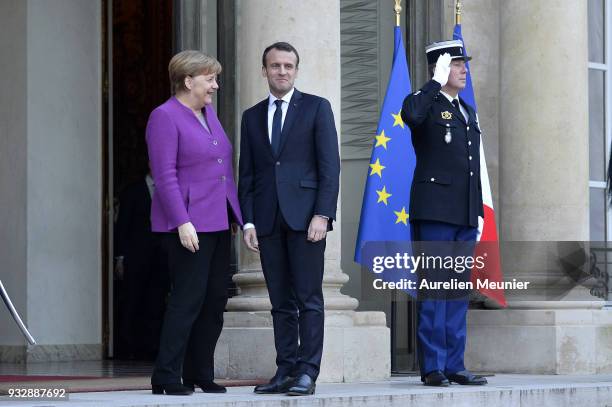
[384, 212]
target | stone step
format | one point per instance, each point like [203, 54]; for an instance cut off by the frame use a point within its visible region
[502, 391]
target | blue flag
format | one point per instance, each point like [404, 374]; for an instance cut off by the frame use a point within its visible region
[384, 211]
[467, 94]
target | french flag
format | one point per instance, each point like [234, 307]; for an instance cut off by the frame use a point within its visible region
[488, 242]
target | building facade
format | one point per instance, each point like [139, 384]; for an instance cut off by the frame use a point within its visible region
[79, 78]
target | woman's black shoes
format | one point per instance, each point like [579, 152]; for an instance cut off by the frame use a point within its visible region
[207, 387]
[172, 389]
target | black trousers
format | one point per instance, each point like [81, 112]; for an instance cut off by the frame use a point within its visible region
[194, 315]
[293, 269]
[142, 303]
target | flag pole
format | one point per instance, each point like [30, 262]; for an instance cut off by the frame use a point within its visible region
[458, 10]
[398, 10]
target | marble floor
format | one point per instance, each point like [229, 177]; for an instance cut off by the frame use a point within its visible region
[504, 390]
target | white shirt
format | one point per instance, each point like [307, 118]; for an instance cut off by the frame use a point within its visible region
[150, 184]
[450, 99]
[272, 108]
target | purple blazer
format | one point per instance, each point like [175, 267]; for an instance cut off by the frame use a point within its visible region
[192, 170]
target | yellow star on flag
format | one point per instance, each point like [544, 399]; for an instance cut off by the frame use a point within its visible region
[383, 195]
[381, 140]
[398, 119]
[401, 216]
[377, 168]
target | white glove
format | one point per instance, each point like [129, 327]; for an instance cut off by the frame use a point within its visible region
[189, 237]
[442, 69]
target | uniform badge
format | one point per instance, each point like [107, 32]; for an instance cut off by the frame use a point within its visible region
[448, 136]
[446, 115]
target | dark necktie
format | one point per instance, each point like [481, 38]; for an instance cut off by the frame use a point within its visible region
[276, 125]
[456, 104]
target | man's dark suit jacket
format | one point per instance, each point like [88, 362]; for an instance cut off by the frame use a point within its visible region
[302, 179]
[142, 293]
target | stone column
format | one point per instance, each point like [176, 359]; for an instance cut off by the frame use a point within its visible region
[544, 150]
[356, 343]
[543, 171]
[13, 173]
[50, 178]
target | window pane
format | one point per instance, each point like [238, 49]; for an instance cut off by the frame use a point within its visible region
[596, 126]
[598, 214]
[596, 31]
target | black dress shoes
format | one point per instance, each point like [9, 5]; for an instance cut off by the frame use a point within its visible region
[467, 378]
[435, 378]
[172, 389]
[277, 385]
[303, 385]
[207, 387]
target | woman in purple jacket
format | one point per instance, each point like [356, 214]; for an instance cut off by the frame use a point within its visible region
[194, 204]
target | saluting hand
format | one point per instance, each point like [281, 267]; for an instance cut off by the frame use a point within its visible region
[189, 237]
[442, 70]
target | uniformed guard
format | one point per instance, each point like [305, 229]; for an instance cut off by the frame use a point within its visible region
[445, 202]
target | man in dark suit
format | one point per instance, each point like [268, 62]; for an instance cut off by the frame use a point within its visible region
[445, 204]
[288, 191]
[141, 268]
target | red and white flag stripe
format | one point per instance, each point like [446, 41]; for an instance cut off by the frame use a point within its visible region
[487, 232]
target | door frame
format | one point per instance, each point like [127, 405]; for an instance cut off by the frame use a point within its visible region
[195, 26]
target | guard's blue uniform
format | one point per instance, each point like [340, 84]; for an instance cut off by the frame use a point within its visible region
[445, 203]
